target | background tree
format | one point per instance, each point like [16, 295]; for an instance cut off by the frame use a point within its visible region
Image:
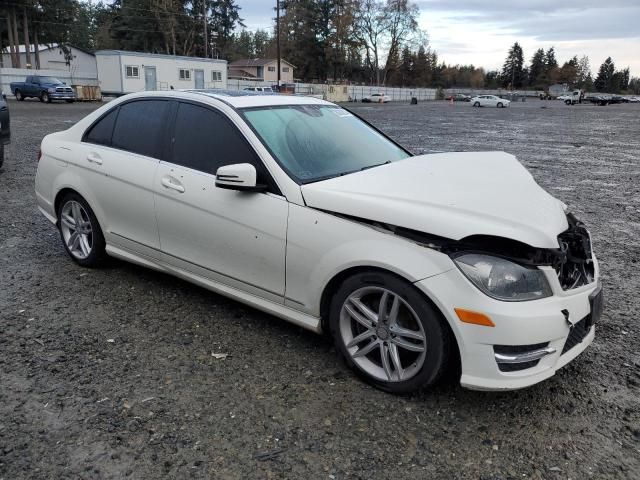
[514, 74]
[603, 82]
[537, 69]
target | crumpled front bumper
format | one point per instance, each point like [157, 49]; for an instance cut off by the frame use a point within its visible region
[547, 321]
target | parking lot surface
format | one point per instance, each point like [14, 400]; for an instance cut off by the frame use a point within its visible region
[109, 373]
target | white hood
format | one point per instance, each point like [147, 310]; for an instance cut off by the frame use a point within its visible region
[452, 195]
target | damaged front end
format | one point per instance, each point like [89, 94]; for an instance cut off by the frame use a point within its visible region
[572, 260]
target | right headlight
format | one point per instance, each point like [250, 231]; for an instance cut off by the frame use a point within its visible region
[503, 279]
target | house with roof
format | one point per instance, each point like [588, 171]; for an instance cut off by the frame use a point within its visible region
[261, 70]
[77, 61]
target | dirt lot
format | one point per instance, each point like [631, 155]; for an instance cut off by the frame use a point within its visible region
[109, 374]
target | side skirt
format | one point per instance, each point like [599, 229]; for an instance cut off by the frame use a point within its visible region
[277, 309]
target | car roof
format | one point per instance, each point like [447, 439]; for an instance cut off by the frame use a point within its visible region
[233, 98]
[246, 99]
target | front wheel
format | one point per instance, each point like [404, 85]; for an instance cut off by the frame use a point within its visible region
[499, 105]
[476, 104]
[19, 96]
[45, 97]
[388, 333]
[80, 231]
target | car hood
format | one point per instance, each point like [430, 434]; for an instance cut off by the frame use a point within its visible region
[452, 195]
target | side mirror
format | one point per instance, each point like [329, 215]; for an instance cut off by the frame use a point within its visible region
[241, 177]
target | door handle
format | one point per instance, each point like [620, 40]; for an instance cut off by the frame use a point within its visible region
[94, 158]
[171, 183]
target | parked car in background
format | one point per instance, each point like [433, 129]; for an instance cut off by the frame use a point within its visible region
[43, 87]
[259, 89]
[489, 101]
[297, 207]
[5, 125]
[634, 99]
[376, 98]
[459, 97]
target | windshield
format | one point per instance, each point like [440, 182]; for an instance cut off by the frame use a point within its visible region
[52, 80]
[316, 142]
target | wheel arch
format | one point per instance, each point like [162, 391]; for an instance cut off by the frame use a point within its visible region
[334, 283]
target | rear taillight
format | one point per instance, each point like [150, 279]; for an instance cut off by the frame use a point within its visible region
[39, 153]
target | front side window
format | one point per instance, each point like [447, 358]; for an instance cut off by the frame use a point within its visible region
[184, 74]
[132, 71]
[205, 140]
[315, 142]
[139, 127]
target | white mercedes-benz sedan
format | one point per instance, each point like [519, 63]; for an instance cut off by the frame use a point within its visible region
[301, 209]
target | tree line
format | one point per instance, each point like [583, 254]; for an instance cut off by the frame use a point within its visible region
[359, 41]
[544, 70]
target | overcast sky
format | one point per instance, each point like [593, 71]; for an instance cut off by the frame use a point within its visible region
[481, 31]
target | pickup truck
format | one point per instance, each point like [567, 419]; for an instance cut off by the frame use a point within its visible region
[5, 131]
[43, 87]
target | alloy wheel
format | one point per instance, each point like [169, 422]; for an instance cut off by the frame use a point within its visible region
[382, 334]
[76, 228]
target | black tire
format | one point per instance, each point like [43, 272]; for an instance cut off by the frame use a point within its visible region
[44, 97]
[1, 154]
[567, 102]
[499, 105]
[97, 255]
[438, 340]
[19, 95]
[476, 104]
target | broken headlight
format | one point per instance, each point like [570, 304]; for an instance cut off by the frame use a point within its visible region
[502, 279]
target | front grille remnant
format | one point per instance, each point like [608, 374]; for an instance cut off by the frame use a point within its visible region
[574, 266]
[577, 333]
[516, 349]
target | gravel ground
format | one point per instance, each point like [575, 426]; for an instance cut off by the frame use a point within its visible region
[109, 373]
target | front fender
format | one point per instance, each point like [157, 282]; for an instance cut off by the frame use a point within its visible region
[321, 245]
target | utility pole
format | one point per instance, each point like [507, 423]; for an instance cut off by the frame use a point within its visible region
[278, 38]
[206, 35]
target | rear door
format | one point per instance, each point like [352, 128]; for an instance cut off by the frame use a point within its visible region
[235, 238]
[121, 152]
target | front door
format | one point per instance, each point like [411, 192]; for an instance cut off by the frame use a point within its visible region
[199, 78]
[150, 82]
[230, 237]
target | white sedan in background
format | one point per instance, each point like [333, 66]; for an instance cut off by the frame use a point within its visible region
[295, 206]
[376, 98]
[489, 101]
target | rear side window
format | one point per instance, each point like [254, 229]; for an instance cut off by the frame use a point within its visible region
[139, 127]
[101, 131]
[205, 140]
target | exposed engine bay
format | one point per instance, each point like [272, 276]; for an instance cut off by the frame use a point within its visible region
[572, 260]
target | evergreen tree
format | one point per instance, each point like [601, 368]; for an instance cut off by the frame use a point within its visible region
[603, 82]
[513, 71]
[537, 69]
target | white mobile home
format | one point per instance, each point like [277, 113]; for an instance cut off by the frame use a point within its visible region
[121, 72]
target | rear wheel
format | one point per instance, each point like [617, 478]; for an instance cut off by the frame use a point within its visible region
[388, 333]
[19, 95]
[80, 231]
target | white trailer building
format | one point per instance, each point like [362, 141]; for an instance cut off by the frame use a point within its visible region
[121, 72]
